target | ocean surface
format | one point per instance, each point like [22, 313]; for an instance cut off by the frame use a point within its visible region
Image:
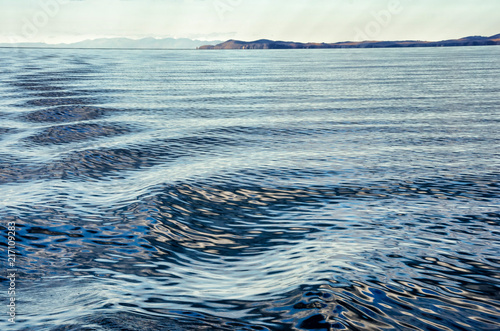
[352, 189]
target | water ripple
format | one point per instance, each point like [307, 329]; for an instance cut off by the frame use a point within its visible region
[68, 113]
[252, 191]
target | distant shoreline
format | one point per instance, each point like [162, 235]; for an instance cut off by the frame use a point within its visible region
[271, 44]
[227, 49]
[174, 44]
[101, 48]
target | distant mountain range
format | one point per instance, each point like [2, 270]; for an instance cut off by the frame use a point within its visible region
[185, 43]
[145, 43]
[271, 44]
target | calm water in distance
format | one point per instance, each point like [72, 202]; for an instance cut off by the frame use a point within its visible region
[252, 190]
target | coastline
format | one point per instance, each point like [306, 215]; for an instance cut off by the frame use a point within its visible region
[271, 44]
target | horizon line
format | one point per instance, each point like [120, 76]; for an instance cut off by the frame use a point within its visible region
[231, 39]
[198, 49]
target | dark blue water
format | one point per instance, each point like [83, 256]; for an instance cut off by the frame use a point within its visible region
[263, 190]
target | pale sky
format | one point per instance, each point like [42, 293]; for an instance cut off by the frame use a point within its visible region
[55, 21]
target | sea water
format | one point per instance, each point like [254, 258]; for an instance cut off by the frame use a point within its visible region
[339, 189]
